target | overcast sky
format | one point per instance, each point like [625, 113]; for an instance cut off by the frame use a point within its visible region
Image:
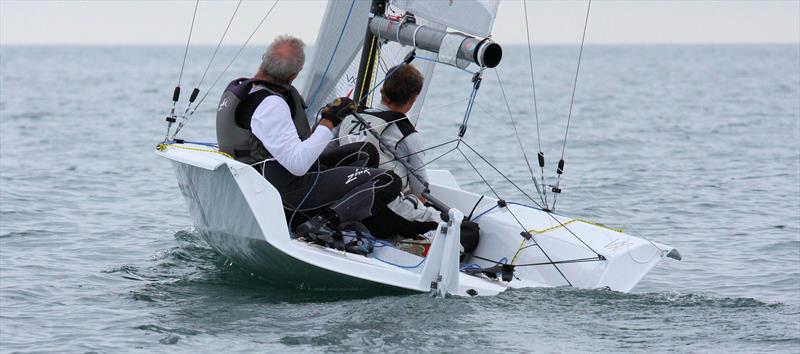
[167, 22]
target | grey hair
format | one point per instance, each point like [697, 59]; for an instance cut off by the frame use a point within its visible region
[284, 57]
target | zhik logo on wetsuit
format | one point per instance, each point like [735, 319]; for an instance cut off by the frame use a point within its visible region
[223, 105]
[352, 177]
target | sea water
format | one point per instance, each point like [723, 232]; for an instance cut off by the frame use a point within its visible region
[697, 147]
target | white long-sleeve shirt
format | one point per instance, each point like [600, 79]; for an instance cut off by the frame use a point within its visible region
[272, 124]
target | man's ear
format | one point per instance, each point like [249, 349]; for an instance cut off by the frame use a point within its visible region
[291, 78]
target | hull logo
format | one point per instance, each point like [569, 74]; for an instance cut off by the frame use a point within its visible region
[616, 245]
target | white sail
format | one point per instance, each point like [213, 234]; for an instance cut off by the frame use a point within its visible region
[475, 17]
[340, 39]
[333, 70]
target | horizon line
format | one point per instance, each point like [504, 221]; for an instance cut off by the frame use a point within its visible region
[99, 44]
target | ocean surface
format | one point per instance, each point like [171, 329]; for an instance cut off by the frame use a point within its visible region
[697, 147]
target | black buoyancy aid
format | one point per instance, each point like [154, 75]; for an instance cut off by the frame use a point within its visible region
[235, 111]
[391, 127]
[356, 132]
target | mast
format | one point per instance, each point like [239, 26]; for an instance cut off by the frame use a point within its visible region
[369, 57]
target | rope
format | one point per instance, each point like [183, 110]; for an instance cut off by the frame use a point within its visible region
[369, 93]
[484, 180]
[560, 225]
[163, 147]
[202, 99]
[335, 48]
[533, 89]
[578, 260]
[431, 161]
[224, 33]
[186, 51]
[572, 100]
[502, 261]
[374, 76]
[375, 256]
[516, 133]
[573, 233]
[658, 249]
[423, 150]
[502, 174]
[575, 83]
[313, 185]
[553, 227]
[521, 247]
[533, 80]
[512, 213]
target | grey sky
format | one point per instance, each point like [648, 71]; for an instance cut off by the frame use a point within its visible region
[167, 22]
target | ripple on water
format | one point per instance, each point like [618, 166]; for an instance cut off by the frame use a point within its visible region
[95, 255]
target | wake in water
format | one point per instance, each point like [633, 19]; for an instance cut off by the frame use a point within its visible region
[193, 280]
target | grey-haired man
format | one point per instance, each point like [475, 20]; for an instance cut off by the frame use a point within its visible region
[262, 121]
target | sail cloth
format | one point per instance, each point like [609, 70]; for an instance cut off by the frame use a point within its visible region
[340, 39]
[333, 68]
[474, 17]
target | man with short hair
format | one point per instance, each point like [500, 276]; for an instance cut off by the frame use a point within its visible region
[261, 121]
[388, 120]
[408, 215]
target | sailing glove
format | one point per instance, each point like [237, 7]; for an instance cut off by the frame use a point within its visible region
[338, 109]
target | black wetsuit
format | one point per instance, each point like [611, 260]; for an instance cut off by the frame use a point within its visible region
[344, 179]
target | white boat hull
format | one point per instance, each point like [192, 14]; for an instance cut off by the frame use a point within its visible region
[241, 216]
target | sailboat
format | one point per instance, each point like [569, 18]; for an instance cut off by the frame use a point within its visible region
[522, 245]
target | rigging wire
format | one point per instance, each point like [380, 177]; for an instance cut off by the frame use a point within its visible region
[502, 174]
[423, 151]
[512, 214]
[535, 105]
[434, 159]
[176, 93]
[560, 168]
[516, 133]
[575, 82]
[202, 99]
[214, 55]
[186, 51]
[524, 229]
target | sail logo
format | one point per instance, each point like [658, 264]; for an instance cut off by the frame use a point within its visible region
[352, 177]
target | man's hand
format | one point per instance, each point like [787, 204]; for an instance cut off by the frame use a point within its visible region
[334, 112]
